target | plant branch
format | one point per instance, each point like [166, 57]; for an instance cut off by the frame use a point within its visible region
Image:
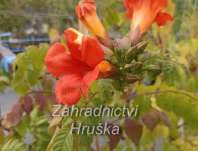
[171, 91]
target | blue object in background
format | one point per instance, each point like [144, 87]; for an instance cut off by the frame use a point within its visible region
[6, 62]
[6, 34]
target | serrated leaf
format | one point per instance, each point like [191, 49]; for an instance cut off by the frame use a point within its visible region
[63, 140]
[27, 68]
[13, 145]
[39, 128]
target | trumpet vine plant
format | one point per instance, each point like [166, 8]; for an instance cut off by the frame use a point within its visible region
[124, 57]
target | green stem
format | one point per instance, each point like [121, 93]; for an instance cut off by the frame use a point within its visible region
[172, 91]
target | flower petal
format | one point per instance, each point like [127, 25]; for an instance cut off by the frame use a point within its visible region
[56, 59]
[59, 62]
[92, 52]
[130, 5]
[143, 12]
[91, 76]
[69, 89]
[162, 18]
[74, 40]
[106, 69]
[158, 5]
[84, 8]
[86, 12]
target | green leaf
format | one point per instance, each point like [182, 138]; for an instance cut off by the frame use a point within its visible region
[39, 128]
[13, 145]
[63, 140]
[182, 104]
[28, 67]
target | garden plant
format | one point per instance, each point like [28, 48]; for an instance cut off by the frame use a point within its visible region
[135, 58]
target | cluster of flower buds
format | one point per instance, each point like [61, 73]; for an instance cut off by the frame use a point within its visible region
[83, 61]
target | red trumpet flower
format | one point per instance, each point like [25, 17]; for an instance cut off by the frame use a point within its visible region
[86, 12]
[76, 68]
[144, 12]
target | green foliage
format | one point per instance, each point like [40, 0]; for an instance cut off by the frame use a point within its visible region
[61, 141]
[28, 68]
[114, 18]
[183, 29]
[15, 14]
[8, 22]
[160, 79]
[13, 145]
[38, 128]
[182, 104]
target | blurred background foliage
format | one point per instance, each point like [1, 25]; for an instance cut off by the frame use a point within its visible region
[168, 105]
[15, 14]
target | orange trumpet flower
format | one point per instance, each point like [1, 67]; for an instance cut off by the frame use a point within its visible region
[76, 68]
[144, 12]
[86, 12]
